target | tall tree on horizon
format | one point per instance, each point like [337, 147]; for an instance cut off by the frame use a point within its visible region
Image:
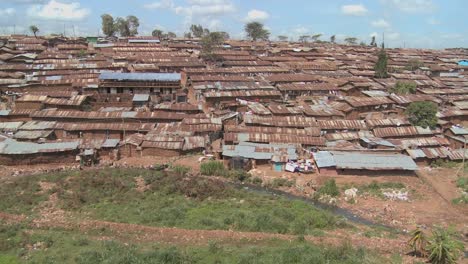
[351, 40]
[256, 31]
[108, 25]
[316, 37]
[333, 39]
[282, 38]
[127, 27]
[197, 31]
[34, 29]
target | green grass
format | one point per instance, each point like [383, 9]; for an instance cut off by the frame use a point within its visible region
[173, 200]
[328, 188]
[59, 246]
[462, 183]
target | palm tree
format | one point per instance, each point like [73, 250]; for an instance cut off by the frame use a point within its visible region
[418, 242]
[34, 29]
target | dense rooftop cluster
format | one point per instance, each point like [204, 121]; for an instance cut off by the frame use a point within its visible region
[263, 101]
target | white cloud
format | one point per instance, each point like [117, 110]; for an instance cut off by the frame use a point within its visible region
[354, 10]
[381, 23]
[413, 6]
[160, 5]
[58, 10]
[256, 15]
[206, 8]
[7, 11]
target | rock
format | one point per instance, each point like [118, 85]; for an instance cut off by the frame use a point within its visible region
[401, 195]
[350, 193]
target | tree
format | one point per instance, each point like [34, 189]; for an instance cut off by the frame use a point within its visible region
[422, 114]
[414, 64]
[362, 43]
[443, 248]
[127, 27]
[373, 43]
[380, 67]
[333, 39]
[351, 40]
[157, 33]
[197, 31]
[418, 242]
[188, 35]
[282, 38]
[404, 88]
[171, 35]
[34, 29]
[108, 25]
[225, 35]
[304, 38]
[209, 42]
[256, 31]
[316, 37]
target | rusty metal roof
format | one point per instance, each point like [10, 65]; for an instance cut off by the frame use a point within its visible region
[281, 121]
[388, 132]
[274, 138]
[359, 101]
[342, 124]
[312, 131]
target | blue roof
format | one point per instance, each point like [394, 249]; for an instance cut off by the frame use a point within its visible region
[134, 76]
[324, 159]
[463, 63]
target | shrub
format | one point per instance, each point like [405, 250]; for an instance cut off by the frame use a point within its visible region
[404, 88]
[442, 247]
[257, 180]
[280, 182]
[329, 188]
[422, 114]
[180, 170]
[212, 168]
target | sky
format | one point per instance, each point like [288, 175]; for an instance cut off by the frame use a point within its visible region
[405, 23]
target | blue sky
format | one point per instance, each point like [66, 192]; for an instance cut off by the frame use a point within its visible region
[406, 23]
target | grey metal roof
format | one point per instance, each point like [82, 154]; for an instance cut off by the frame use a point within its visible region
[144, 41]
[133, 76]
[4, 112]
[110, 143]
[324, 159]
[140, 98]
[10, 126]
[12, 147]
[459, 130]
[373, 161]
[248, 150]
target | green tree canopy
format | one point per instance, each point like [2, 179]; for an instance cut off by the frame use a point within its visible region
[209, 42]
[157, 33]
[403, 88]
[197, 31]
[256, 31]
[34, 29]
[373, 43]
[316, 37]
[282, 38]
[333, 39]
[171, 35]
[304, 38]
[108, 25]
[422, 114]
[414, 64]
[351, 40]
[127, 27]
[380, 68]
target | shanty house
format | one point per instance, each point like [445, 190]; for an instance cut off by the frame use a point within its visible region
[140, 83]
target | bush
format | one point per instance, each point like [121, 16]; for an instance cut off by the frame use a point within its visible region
[422, 114]
[180, 170]
[212, 168]
[443, 248]
[404, 88]
[329, 188]
[257, 180]
[280, 182]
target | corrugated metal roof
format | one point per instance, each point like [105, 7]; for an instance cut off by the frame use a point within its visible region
[402, 131]
[259, 151]
[32, 134]
[324, 159]
[373, 161]
[140, 98]
[131, 76]
[13, 147]
[110, 143]
[10, 126]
